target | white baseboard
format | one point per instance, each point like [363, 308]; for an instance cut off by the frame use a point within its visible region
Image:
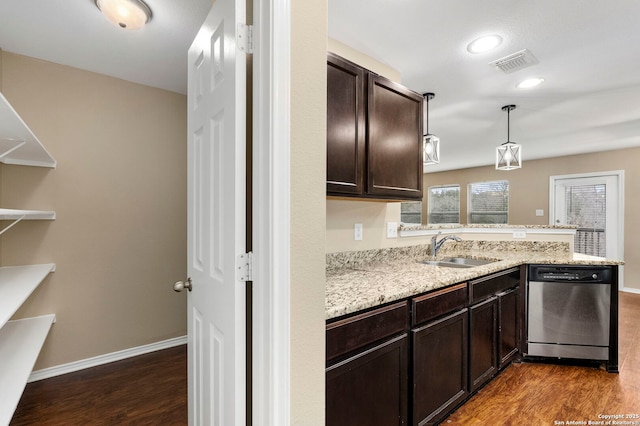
[631, 290]
[59, 370]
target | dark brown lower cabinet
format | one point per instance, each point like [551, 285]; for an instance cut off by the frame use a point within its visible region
[440, 380]
[508, 326]
[370, 388]
[460, 336]
[483, 342]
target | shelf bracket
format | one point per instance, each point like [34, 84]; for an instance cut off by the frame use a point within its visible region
[10, 150]
[6, 228]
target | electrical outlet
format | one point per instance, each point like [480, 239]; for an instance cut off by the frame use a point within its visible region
[392, 229]
[539, 212]
[357, 232]
[520, 234]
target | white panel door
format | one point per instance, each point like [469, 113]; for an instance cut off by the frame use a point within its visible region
[216, 219]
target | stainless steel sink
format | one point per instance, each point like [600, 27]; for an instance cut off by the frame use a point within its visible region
[458, 262]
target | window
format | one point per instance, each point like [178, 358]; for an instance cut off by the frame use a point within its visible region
[489, 202]
[444, 204]
[411, 212]
[586, 207]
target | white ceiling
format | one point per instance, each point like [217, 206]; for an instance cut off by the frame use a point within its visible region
[74, 33]
[589, 53]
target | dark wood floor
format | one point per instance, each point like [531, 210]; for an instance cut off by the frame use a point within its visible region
[152, 390]
[541, 394]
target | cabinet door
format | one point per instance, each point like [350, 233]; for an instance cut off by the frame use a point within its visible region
[440, 380]
[484, 287]
[483, 342]
[345, 127]
[394, 150]
[369, 388]
[508, 326]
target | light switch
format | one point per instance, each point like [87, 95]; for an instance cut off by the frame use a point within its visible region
[539, 212]
[357, 232]
[392, 229]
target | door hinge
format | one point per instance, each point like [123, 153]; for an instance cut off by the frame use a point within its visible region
[244, 38]
[245, 267]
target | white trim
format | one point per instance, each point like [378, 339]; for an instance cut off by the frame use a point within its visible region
[631, 290]
[95, 361]
[619, 174]
[271, 213]
[501, 230]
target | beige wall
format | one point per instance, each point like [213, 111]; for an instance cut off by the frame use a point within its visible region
[529, 190]
[119, 191]
[308, 176]
[363, 60]
[343, 214]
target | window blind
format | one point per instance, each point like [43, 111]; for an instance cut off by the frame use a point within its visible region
[489, 202]
[444, 204]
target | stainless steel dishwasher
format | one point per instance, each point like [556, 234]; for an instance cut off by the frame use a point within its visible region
[569, 310]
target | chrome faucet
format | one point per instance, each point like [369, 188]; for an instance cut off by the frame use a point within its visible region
[435, 244]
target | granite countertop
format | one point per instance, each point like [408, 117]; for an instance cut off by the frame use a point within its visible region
[361, 280]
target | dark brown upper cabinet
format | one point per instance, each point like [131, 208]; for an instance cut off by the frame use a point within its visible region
[374, 135]
[345, 127]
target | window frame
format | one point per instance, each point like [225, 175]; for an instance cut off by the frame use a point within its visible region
[420, 213]
[430, 204]
[470, 212]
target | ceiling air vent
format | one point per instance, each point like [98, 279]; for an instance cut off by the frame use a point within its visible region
[515, 61]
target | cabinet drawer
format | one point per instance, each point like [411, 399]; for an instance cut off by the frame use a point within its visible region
[349, 334]
[485, 287]
[441, 302]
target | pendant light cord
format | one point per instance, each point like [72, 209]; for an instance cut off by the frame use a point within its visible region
[508, 108]
[427, 96]
[427, 115]
[508, 124]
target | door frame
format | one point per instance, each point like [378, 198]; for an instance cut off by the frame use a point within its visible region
[619, 174]
[271, 213]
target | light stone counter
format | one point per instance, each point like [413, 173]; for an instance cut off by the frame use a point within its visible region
[365, 279]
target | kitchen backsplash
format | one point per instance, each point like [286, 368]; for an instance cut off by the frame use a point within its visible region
[355, 259]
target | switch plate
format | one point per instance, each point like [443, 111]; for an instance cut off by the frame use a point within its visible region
[539, 212]
[357, 232]
[520, 234]
[392, 229]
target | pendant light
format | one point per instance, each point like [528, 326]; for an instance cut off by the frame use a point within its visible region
[509, 154]
[127, 14]
[430, 143]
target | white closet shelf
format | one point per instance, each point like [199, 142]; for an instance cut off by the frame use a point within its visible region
[13, 214]
[16, 285]
[20, 343]
[17, 215]
[18, 144]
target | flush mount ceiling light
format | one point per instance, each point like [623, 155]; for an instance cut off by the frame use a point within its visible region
[430, 143]
[484, 43]
[128, 14]
[509, 154]
[530, 82]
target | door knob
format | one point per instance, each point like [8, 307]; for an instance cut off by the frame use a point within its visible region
[181, 285]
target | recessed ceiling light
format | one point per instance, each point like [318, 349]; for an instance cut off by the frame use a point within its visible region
[484, 43]
[530, 82]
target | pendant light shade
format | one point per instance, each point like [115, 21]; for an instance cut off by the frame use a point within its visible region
[127, 14]
[509, 154]
[430, 143]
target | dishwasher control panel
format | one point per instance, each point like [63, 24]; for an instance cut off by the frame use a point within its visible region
[588, 274]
